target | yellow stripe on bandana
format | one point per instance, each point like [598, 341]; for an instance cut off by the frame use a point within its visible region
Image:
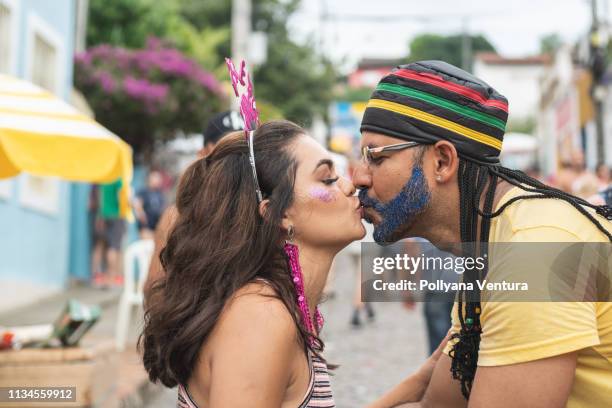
[437, 121]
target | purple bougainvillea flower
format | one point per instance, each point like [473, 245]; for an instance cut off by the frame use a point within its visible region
[156, 91]
[106, 80]
[145, 90]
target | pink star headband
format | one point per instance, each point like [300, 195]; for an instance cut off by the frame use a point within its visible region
[248, 111]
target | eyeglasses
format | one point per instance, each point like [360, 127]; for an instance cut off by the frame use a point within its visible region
[370, 154]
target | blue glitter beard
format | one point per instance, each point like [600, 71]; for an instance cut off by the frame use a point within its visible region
[409, 202]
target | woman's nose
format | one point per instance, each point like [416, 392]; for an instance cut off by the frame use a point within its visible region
[347, 187]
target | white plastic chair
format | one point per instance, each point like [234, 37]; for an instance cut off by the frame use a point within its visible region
[137, 258]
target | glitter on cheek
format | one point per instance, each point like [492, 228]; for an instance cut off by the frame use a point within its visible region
[321, 194]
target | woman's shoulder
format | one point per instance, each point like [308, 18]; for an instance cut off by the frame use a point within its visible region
[257, 307]
[255, 329]
[259, 294]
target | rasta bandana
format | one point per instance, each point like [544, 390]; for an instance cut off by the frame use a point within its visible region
[428, 101]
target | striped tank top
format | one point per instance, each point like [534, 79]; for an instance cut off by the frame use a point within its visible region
[318, 395]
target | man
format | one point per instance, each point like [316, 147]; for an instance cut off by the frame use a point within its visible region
[111, 228]
[431, 137]
[149, 205]
[603, 175]
[219, 126]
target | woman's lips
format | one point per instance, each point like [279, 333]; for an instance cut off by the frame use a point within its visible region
[364, 214]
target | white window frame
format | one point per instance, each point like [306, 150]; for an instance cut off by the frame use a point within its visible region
[6, 189]
[31, 199]
[36, 25]
[14, 8]
[7, 185]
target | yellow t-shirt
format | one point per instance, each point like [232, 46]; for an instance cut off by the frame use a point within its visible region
[518, 332]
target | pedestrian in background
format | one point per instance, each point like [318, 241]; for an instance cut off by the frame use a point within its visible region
[106, 257]
[149, 205]
[604, 195]
[438, 304]
[603, 174]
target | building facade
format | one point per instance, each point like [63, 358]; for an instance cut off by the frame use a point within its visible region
[518, 79]
[44, 240]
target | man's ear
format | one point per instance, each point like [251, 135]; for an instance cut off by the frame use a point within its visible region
[446, 161]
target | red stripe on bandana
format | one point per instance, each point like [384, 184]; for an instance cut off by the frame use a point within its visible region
[438, 81]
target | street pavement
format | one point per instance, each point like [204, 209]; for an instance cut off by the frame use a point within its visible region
[372, 358]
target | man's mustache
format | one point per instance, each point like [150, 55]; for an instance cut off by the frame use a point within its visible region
[369, 202]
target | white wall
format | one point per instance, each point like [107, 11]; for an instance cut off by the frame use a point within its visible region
[519, 83]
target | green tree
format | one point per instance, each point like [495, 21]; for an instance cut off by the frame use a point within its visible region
[201, 29]
[291, 68]
[128, 23]
[202, 45]
[445, 48]
[294, 78]
[550, 43]
[354, 94]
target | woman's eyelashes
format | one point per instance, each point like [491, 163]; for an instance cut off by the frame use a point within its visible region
[330, 181]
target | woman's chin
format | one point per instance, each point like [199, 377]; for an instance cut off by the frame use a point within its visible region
[362, 230]
[357, 233]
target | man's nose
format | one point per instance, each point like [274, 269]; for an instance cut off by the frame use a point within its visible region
[362, 177]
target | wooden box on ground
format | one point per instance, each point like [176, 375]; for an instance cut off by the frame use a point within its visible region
[92, 369]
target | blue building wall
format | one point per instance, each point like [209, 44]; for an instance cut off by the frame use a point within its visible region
[58, 14]
[80, 232]
[36, 247]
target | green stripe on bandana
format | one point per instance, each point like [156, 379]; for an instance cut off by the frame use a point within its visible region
[443, 103]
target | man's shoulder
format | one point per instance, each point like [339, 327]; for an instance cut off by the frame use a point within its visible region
[548, 217]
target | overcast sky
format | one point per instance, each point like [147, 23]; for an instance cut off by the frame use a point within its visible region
[514, 27]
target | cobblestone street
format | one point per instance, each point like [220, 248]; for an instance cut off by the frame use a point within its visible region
[376, 356]
[372, 358]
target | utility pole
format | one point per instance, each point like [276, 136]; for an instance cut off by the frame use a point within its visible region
[323, 16]
[241, 29]
[597, 61]
[466, 46]
[82, 11]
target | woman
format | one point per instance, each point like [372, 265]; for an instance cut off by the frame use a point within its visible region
[233, 322]
[224, 323]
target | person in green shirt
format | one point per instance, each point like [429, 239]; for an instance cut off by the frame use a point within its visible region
[111, 228]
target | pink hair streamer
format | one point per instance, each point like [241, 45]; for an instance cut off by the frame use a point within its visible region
[296, 271]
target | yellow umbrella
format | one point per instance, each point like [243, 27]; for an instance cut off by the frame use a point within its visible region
[42, 135]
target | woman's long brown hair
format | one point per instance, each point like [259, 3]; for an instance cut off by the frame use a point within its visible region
[220, 243]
